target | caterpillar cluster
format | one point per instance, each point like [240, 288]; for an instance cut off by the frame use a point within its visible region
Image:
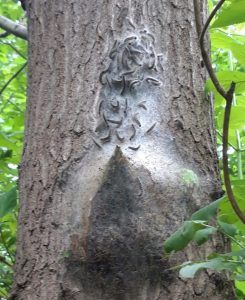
[133, 65]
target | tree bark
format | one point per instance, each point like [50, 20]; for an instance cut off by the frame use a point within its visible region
[116, 117]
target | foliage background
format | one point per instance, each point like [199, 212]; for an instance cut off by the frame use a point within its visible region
[228, 56]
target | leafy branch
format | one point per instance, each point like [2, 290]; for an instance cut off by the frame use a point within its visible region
[227, 95]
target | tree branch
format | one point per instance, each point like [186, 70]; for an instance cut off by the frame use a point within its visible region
[12, 78]
[13, 27]
[228, 97]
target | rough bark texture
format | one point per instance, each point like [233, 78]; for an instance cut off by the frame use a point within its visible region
[116, 116]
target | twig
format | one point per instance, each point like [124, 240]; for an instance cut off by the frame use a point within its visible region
[232, 238]
[228, 97]
[228, 34]
[230, 144]
[14, 48]
[4, 261]
[17, 107]
[13, 27]
[201, 33]
[12, 78]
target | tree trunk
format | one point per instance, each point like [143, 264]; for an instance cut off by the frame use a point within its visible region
[116, 118]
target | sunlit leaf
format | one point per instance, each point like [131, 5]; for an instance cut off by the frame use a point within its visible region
[232, 14]
[225, 78]
[236, 118]
[222, 40]
[6, 142]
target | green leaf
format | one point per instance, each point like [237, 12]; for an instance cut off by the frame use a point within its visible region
[227, 213]
[210, 5]
[239, 192]
[189, 271]
[241, 101]
[8, 201]
[208, 212]
[236, 118]
[239, 253]
[232, 14]
[226, 216]
[240, 293]
[6, 142]
[5, 153]
[228, 228]
[225, 78]
[217, 264]
[222, 40]
[229, 217]
[180, 238]
[201, 236]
